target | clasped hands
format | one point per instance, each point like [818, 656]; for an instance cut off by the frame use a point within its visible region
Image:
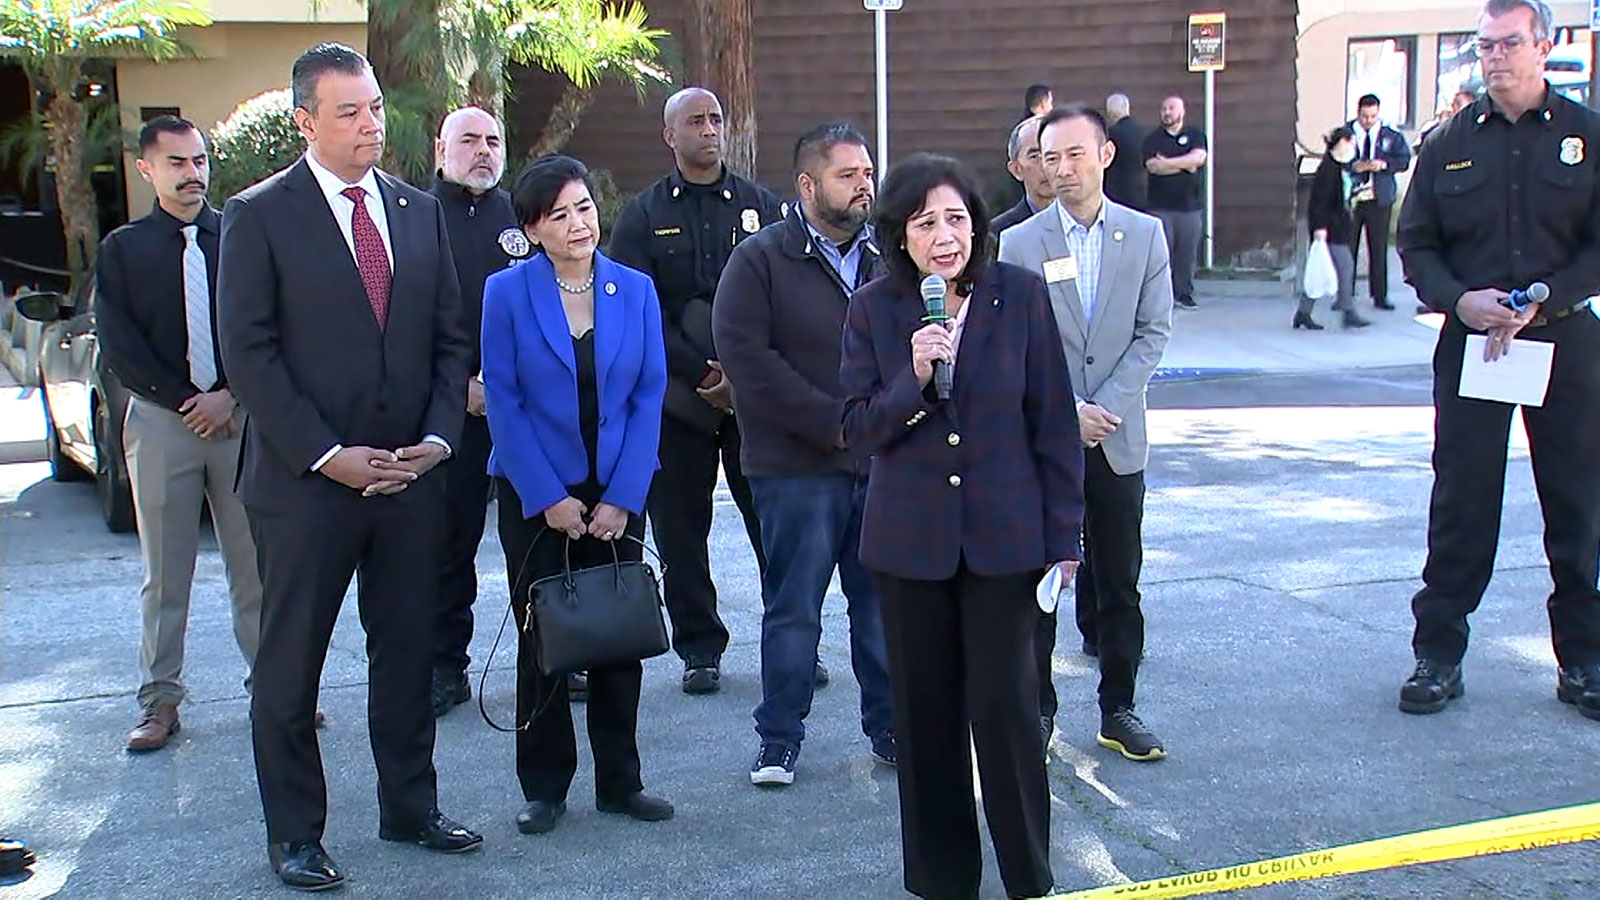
[1481, 310]
[210, 414]
[572, 518]
[376, 472]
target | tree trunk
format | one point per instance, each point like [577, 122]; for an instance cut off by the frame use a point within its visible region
[393, 27]
[79, 221]
[486, 91]
[563, 120]
[718, 56]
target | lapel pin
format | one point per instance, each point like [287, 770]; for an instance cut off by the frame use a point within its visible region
[997, 301]
[611, 288]
[402, 201]
[1116, 235]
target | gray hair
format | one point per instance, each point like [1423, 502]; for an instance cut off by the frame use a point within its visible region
[1543, 19]
[1118, 106]
[1014, 144]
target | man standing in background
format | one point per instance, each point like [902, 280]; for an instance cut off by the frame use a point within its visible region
[155, 279]
[470, 157]
[680, 231]
[1381, 152]
[1174, 155]
[1126, 179]
[1022, 155]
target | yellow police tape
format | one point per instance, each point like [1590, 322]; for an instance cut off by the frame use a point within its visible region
[1568, 825]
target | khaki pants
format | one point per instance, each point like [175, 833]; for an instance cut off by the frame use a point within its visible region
[172, 470]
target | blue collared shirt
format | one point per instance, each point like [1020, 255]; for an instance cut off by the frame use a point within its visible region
[847, 265]
[1084, 244]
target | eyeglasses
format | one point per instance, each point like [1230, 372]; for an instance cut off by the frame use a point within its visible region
[1487, 46]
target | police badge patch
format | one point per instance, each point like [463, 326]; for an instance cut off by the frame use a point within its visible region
[750, 221]
[515, 243]
[1572, 150]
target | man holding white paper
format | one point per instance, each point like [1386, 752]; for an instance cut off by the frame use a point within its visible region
[1506, 194]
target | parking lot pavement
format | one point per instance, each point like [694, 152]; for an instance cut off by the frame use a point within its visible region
[1284, 533]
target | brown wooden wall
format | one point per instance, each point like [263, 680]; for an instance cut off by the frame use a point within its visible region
[957, 72]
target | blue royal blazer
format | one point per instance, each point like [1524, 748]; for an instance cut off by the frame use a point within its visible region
[531, 384]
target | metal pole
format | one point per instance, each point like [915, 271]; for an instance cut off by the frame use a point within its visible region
[882, 20]
[1594, 69]
[1211, 168]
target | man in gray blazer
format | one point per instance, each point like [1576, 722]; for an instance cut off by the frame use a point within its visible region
[1107, 270]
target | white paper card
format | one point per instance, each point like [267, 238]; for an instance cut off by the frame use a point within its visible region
[1521, 377]
[1048, 590]
[1063, 269]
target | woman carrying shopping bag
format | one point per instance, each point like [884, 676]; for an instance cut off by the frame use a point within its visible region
[1332, 230]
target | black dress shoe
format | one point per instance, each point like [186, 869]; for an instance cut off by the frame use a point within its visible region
[539, 817]
[702, 679]
[304, 866]
[1431, 687]
[450, 689]
[1580, 686]
[438, 833]
[639, 806]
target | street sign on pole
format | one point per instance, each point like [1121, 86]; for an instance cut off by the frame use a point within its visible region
[879, 10]
[1208, 54]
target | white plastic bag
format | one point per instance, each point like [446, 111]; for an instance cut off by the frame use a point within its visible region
[1320, 278]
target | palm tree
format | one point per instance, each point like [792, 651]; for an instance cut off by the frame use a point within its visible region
[52, 40]
[717, 49]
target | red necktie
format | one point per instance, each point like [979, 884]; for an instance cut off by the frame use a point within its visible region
[372, 261]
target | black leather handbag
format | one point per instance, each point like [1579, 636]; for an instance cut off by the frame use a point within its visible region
[596, 617]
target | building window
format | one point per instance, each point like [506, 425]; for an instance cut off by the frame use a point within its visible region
[1458, 68]
[146, 113]
[1385, 67]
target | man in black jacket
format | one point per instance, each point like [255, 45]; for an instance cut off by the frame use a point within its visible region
[1381, 152]
[1022, 161]
[778, 320]
[1126, 179]
[680, 231]
[484, 238]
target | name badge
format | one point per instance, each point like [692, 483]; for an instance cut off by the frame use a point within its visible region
[1063, 269]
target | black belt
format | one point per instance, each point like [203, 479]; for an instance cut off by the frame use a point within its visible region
[1543, 319]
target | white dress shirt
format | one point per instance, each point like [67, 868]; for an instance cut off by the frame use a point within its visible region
[344, 211]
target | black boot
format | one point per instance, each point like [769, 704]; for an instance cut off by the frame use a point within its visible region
[1352, 319]
[1304, 320]
[1431, 687]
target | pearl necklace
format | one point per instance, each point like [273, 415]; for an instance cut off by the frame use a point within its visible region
[576, 289]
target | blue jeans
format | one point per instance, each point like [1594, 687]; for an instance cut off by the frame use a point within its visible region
[810, 525]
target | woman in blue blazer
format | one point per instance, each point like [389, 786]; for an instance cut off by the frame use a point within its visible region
[573, 370]
[970, 500]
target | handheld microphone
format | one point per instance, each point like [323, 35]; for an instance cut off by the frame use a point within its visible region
[1538, 292]
[933, 291]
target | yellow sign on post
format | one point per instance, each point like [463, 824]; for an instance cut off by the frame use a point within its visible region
[1207, 41]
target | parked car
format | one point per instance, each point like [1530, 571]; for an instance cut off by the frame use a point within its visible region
[84, 403]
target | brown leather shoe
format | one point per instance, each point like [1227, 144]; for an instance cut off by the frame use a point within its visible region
[159, 724]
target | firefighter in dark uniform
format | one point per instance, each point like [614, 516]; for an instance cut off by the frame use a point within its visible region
[680, 231]
[1507, 193]
[484, 238]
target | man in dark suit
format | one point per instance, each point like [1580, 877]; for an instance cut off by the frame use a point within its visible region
[353, 367]
[1126, 179]
[1381, 151]
[1022, 161]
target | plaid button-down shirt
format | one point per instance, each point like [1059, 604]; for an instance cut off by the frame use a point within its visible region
[1084, 244]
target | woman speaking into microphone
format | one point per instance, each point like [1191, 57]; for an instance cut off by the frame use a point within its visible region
[970, 501]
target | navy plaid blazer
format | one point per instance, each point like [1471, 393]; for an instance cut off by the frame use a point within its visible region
[993, 476]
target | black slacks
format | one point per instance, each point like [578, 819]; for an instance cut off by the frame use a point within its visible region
[1469, 466]
[1372, 220]
[680, 508]
[959, 665]
[467, 503]
[307, 553]
[547, 749]
[1113, 554]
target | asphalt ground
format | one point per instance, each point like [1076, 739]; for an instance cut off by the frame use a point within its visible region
[1284, 530]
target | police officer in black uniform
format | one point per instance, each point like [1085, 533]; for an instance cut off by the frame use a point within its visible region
[484, 238]
[1505, 194]
[680, 231]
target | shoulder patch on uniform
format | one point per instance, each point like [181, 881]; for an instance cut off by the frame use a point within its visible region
[515, 243]
[668, 232]
[750, 221]
[1458, 165]
[1572, 150]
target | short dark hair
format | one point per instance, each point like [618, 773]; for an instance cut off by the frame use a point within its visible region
[1075, 111]
[318, 61]
[1035, 95]
[815, 145]
[152, 130]
[1368, 100]
[905, 191]
[1343, 132]
[541, 183]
